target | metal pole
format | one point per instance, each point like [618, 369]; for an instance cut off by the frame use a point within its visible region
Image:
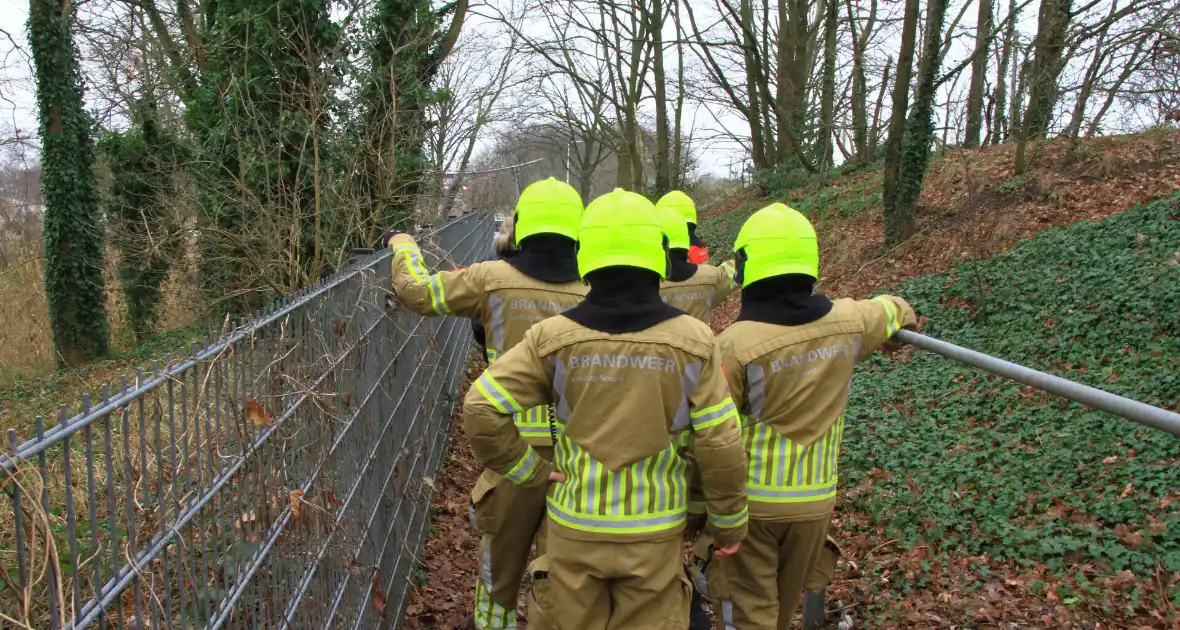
[1142, 413]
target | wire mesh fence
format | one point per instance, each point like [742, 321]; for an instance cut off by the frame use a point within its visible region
[278, 477]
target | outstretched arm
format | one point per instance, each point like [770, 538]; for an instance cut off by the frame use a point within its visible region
[456, 292]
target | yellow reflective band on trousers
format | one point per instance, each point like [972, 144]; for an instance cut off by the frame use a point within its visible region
[894, 324]
[647, 496]
[489, 614]
[783, 471]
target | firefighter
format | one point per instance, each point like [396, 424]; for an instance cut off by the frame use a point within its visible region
[691, 287]
[635, 383]
[789, 360]
[684, 205]
[502, 247]
[506, 297]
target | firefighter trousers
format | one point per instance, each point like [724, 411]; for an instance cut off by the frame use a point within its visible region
[509, 517]
[594, 585]
[765, 579]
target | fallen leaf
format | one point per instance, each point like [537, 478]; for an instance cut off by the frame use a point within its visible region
[378, 595]
[256, 414]
[1110, 460]
[333, 500]
[429, 481]
[296, 497]
[1126, 490]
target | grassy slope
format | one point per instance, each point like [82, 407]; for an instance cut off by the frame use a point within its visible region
[971, 465]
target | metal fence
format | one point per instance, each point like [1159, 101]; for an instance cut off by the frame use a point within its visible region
[279, 477]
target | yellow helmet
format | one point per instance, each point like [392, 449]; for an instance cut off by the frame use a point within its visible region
[675, 227]
[621, 228]
[681, 203]
[549, 206]
[775, 241]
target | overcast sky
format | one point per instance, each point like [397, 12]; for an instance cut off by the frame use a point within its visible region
[17, 105]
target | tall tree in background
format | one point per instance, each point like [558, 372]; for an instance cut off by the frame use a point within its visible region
[1000, 111]
[896, 223]
[141, 162]
[919, 132]
[828, 95]
[794, 64]
[407, 47]
[263, 141]
[983, 37]
[663, 180]
[73, 235]
[1052, 25]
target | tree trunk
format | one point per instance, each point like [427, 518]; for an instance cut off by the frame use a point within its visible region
[983, 31]
[1128, 68]
[875, 129]
[753, 89]
[1000, 112]
[896, 226]
[827, 106]
[678, 166]
[860, 124]
[1048, 45]
[791, 97]
[1090, 78]
[919, 131]
[74, 281]
[663, 163]
[1017, 87]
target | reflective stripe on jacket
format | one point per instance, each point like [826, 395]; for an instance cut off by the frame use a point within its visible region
[791, 385]
[493, 294]
[704, 290]
[632, 407]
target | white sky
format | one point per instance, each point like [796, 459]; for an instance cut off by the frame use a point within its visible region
[17, 103]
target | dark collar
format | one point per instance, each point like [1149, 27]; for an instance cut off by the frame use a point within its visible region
[546, 257]
[784, 300]
[622, 300]
[681, 269]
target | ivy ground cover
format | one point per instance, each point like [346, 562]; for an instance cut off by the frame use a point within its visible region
[1082, 509]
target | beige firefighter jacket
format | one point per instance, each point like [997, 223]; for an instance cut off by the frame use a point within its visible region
[503, 300]
[698, 295]
[791, 386]
[631, 405]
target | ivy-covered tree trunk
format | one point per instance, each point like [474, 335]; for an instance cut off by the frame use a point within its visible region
[896, 222]
[404, 55]
[73, 231]
[919, 134]
[264, 227]
[141, 162]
